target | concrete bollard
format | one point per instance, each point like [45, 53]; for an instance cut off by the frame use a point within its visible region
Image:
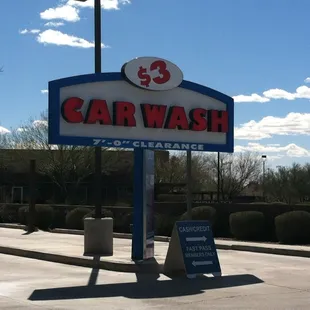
[98, 236]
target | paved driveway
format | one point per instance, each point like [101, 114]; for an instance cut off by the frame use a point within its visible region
[250, 281]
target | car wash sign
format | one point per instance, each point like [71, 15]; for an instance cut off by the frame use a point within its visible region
[147, 105]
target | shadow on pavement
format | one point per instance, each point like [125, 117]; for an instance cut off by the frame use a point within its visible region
[94, 273]
[146, 287]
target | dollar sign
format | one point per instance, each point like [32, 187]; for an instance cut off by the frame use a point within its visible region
[144, 77]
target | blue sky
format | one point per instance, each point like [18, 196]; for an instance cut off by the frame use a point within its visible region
[256, 51]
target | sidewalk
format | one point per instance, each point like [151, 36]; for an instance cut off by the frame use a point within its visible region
[68, 249]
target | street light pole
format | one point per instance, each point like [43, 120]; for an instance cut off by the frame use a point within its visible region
[97, 173]
[264, 157]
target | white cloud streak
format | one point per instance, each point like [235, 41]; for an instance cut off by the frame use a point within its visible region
[44, 91]
[31, 31]
[105, 4]
[291, 124]
[290, 150]
[39, 123]
[4, 130]
[69, 10]
[250, 98]
[54, 24]
[55, 37]
[302, 92]
[63, 12]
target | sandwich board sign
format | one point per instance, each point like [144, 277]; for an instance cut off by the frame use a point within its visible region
[192, 250]
[147, 106]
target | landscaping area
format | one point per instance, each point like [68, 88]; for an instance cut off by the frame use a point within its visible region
[287, 224]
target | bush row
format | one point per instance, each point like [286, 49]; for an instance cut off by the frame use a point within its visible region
[290, 227]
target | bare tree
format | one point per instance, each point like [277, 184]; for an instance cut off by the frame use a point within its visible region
[288, 184]
[174, 171]
[237, 171]
[65, 166]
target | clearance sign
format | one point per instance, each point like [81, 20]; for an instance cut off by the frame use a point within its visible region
[147, 105]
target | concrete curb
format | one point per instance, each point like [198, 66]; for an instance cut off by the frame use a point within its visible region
[265, 250]
[115, 235]
[14, 226]
[219, 246]
[144, 267]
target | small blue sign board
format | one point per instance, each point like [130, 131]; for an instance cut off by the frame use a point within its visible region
[143, 221]
[192, 249]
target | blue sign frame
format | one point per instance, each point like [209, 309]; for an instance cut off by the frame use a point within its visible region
[54, 115]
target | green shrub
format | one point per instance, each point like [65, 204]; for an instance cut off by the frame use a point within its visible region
[278, 203]
[293, 227]
[22, 215]
[9, 213]
[75, 218]
[124, 222]
[59, 217]
[205, 213]
[44, 216]
[247, 225]
[164, 224]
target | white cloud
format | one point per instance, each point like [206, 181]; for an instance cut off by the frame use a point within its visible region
[32, 31]
[105, 4]
[54, 24]
[278, 94]
[61, 39]
[3, 130]
[250, 98]
[36, 123]
[291, 124]
[44, 91]
[69, 10]
[273, 144]
[302, 92]
[63, 12]
[39, 123]
[290, 150]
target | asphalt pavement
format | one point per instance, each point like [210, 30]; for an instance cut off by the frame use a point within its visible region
[250, 281]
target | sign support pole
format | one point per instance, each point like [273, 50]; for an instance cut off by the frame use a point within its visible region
[98, 163]
[189, 183]
[218, 177]
[32, 200]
